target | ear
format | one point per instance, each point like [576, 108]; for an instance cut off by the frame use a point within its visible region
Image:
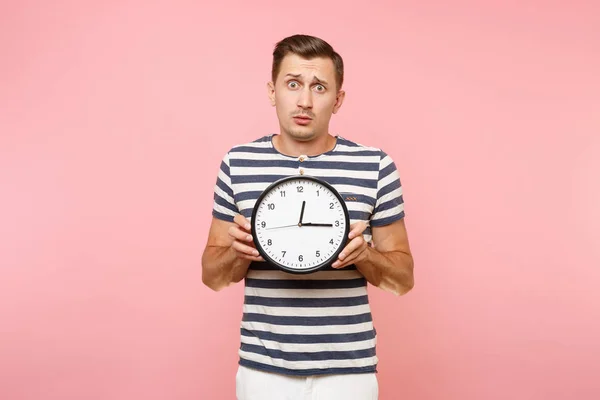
[338, 101]
[271, 93]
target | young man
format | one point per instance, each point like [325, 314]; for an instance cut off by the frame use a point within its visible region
[310, 333]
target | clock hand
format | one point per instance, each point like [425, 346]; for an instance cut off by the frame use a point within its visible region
[277, 227]
[311, 224]
[301, 213]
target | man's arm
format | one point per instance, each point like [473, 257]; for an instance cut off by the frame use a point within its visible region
[389, 265]
[228, 253]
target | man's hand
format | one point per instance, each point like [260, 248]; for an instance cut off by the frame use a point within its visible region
[242, 243]
[389, 265]
[228, 253]
[356, 250]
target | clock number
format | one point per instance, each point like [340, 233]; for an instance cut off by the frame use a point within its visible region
[317, 193]
[331, 241]
[283, 253]
[337, 223]
[300, 258]
[263, 224]
[331, 206]
[300, 189]
[282, 193]
[318, 253]
[271, 206]
[269, 242]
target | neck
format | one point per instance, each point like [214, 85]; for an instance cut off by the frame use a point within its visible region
[287, 145]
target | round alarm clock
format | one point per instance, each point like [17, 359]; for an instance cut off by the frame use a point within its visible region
[300, 224]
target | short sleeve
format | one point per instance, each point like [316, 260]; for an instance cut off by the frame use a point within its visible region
[389, 206]
[224, 205]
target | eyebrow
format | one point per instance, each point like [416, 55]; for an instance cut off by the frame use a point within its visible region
[315, 79]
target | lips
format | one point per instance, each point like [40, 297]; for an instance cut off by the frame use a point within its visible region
[302, 120]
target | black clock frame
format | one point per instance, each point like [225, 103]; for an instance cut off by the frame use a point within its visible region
[325, 263]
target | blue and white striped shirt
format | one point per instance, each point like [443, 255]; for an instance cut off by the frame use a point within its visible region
[318, 323]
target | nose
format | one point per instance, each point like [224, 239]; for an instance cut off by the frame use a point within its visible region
[305, 98]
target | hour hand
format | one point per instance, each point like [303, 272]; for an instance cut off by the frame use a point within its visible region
[301, 213]
[315, 224]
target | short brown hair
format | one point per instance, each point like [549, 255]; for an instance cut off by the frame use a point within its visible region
[308, 47]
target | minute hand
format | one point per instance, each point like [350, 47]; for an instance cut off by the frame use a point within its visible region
[313, 224]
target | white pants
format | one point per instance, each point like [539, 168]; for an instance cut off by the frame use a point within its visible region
[252, 384]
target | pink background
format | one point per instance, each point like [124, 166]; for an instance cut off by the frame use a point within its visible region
[114, 116]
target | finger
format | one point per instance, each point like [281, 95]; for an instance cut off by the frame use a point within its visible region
[351, 258]
[248, 257]
[357, 229]
[242, 221]
[238, 234]
[351, 247]
[251, 258]
[339, 264]
[242, 248]
[350, 253]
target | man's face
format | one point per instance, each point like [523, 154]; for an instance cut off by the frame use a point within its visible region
[305, 96]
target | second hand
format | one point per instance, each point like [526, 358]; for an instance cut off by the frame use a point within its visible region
[277, 227]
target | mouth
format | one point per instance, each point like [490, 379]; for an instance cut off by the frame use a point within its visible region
[302, 120]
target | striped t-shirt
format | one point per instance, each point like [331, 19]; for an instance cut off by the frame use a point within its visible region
[317, 323]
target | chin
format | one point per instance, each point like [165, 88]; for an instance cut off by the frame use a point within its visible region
[302, 135]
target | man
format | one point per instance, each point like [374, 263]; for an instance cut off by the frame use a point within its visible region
[308, 335]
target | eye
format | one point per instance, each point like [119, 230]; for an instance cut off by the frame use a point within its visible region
[320, 88]
[293, 84]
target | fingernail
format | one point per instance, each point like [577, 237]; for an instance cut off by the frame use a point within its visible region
[247, 226]
[342, 255]
[351, 235]
[249, 238]
[255, 252]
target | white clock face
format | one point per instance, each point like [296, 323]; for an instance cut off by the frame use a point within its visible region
[300, 224]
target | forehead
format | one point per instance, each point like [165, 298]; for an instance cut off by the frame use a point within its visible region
[320, 67]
